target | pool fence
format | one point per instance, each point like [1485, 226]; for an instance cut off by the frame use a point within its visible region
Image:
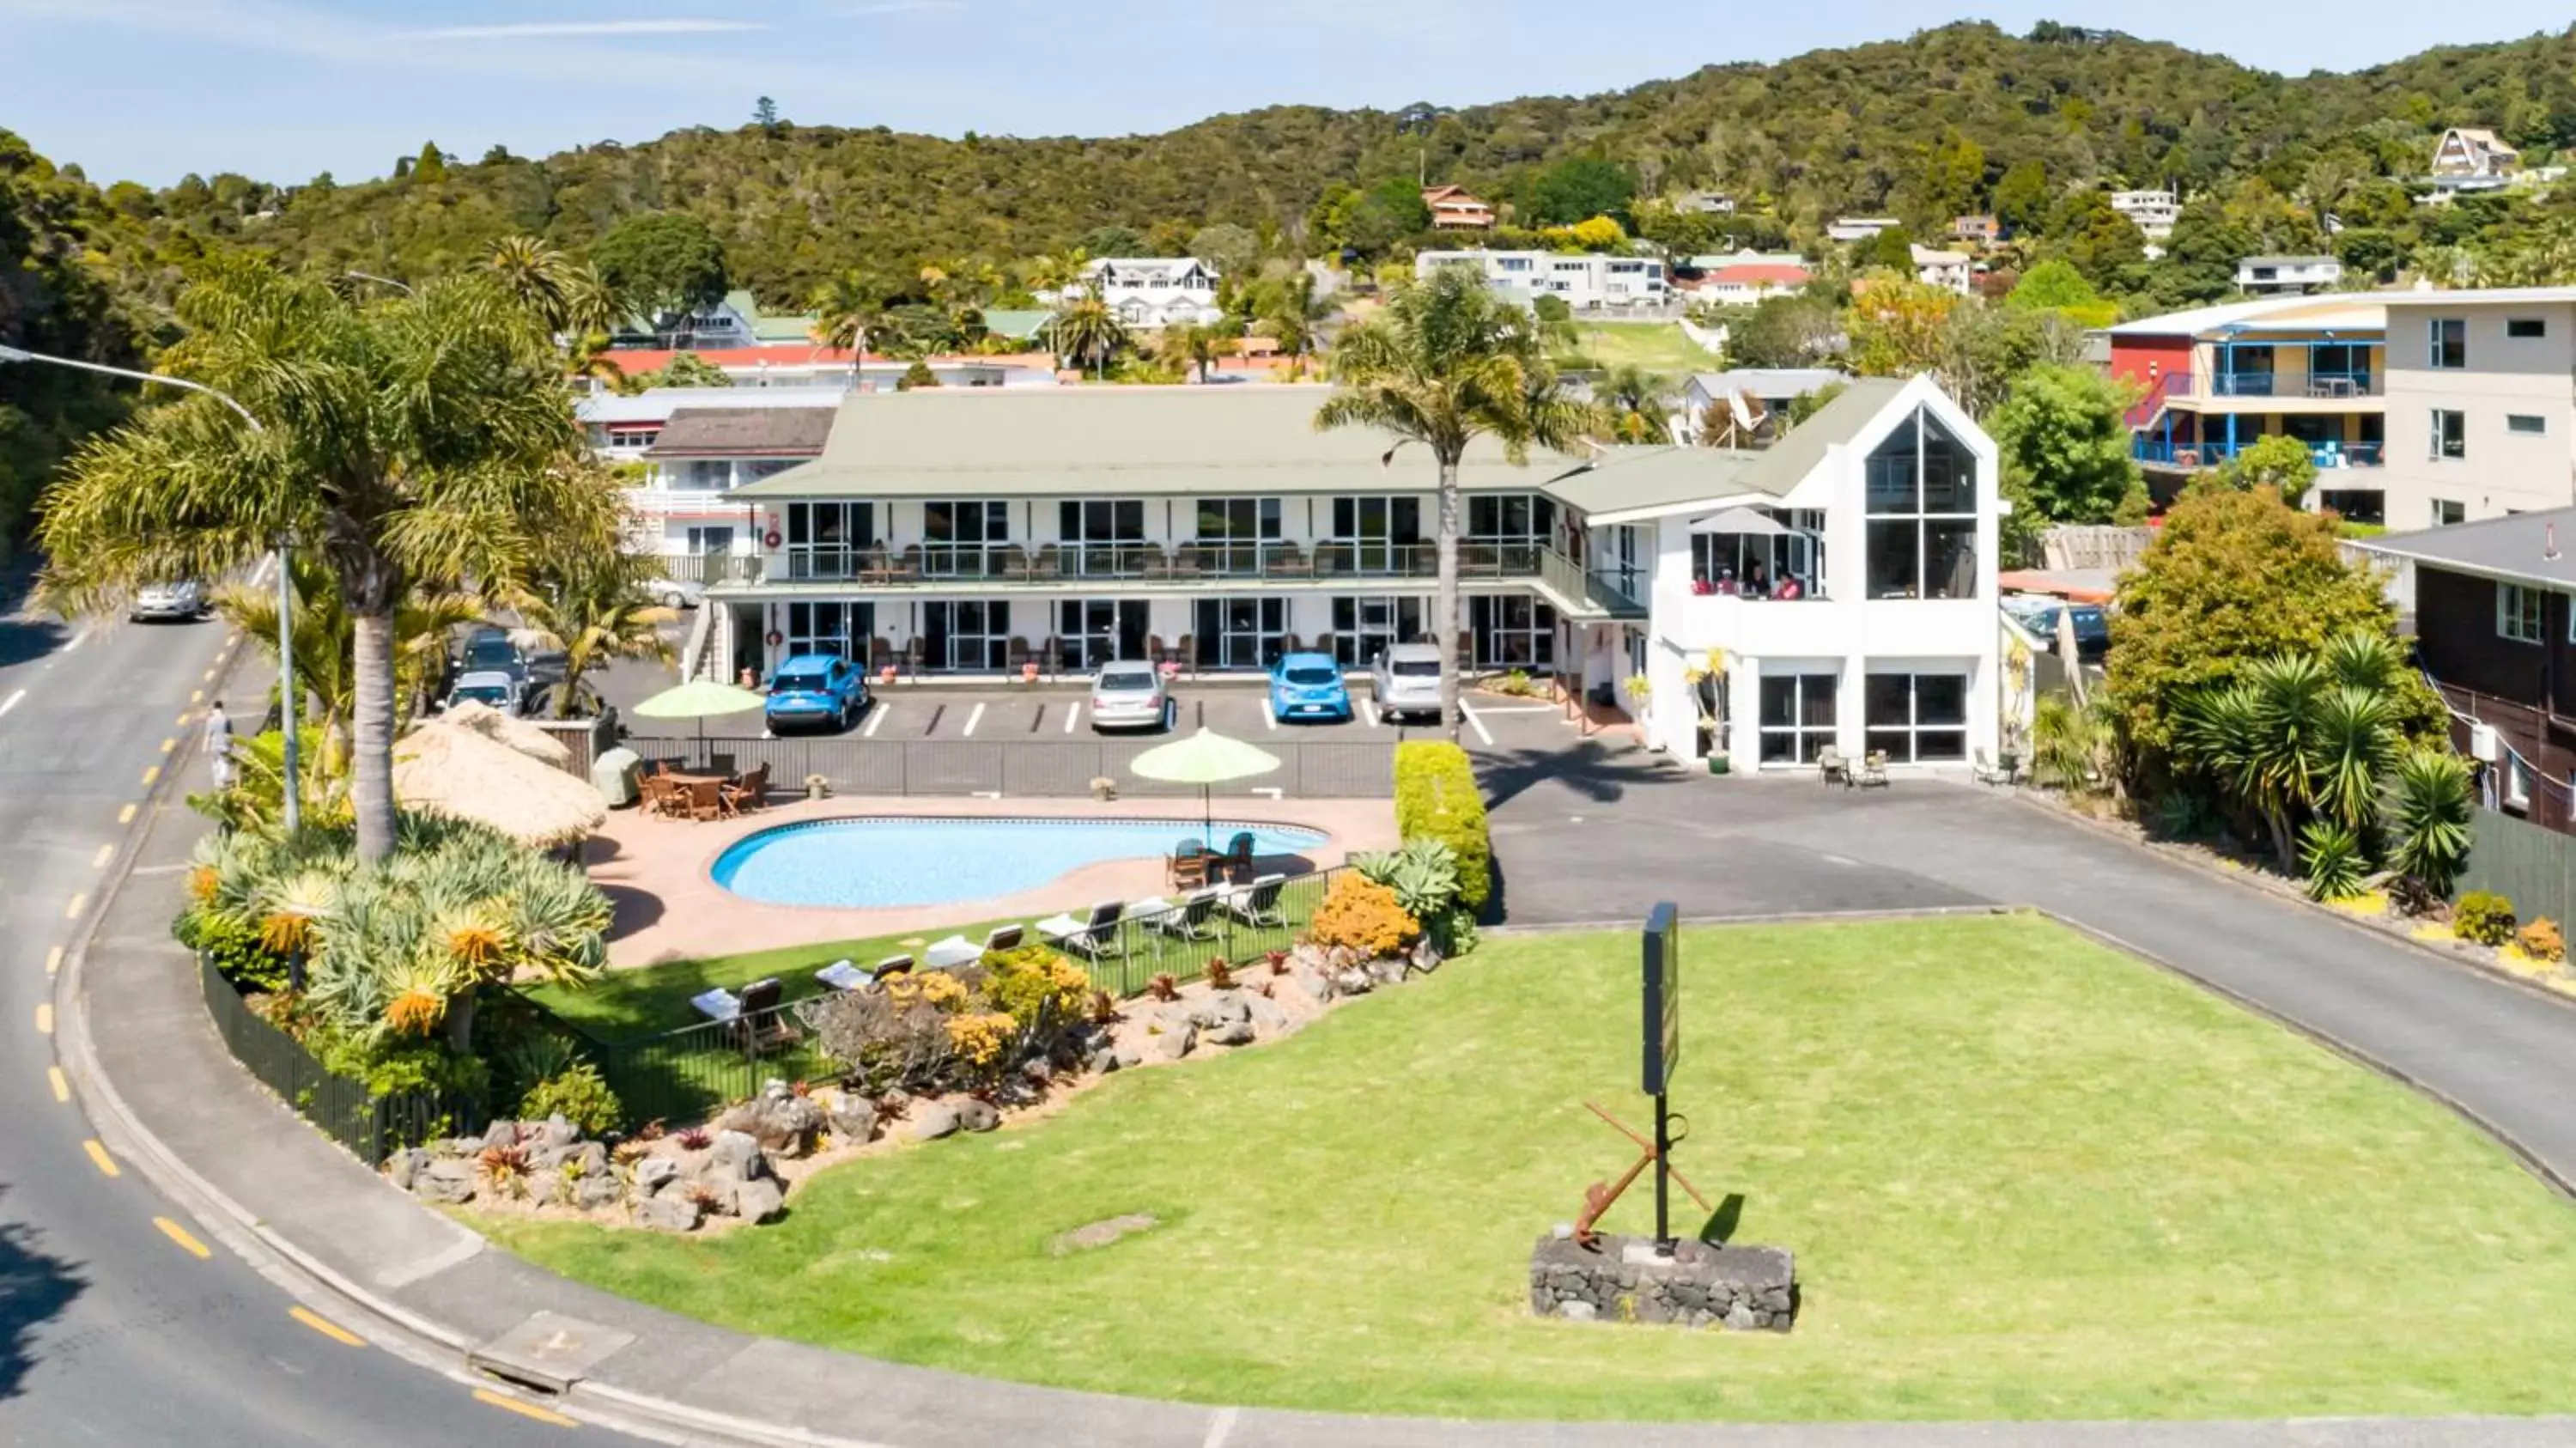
[1026, 768]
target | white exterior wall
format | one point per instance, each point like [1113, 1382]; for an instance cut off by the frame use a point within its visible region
[1846, 633]
[1586, 281]
[2502, 471]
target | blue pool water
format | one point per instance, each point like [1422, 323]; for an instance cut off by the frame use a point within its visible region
[865, 863]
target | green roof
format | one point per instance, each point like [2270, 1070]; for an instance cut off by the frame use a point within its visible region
[1786, 463]
[1182, 441]
[1642, 480]
[1018, 324]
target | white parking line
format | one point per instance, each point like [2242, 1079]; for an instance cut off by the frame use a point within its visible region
[1268, 717]
[12, 701]
[1369, 706]
[876, 716]
[1475, 723]
[973, 719]
[1072, 712]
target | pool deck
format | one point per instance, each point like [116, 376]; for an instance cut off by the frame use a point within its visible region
[670, 908]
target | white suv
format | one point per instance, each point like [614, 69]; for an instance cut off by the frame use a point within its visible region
[1406, 680]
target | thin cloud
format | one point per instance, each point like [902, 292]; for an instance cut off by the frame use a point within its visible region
[588, 29]
[901, 7]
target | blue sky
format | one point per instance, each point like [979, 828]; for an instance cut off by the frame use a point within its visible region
[281, 89]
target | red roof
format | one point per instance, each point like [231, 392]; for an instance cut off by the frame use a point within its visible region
[1759, 273]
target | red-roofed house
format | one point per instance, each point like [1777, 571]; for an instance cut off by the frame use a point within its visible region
[1743, 283]
[1453, 209]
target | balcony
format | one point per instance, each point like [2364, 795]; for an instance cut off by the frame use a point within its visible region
[2156, 452]
[2320, 385]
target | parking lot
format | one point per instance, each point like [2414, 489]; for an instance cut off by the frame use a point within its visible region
[906, 711]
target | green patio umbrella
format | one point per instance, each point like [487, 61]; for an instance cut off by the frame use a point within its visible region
[1206, 758]
[697, 699]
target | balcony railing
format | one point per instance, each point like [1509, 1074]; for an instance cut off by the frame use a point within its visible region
[1080, 563]
[2352, 382]
[2211, 454]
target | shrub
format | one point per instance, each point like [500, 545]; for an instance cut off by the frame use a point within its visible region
[401, 1066]
[696, 1138]
[2483, 917]
[579, 1095]
[1220, 976]
[1035, 986]
[2429, 814]
[1364, 915]
[2333, 859]
[235, 947]
[1436, 798]
[1423, 875]
[2541, 941]
[1164, 987]
[939, 1031]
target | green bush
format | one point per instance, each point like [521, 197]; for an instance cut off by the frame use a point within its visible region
[2333, 859]
[234, 945]
[2483, 916]
[1436, 798]
[401, 1065]
[578, 1093]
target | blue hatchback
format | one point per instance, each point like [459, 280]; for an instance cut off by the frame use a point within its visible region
[815, 689]
[1308, 686]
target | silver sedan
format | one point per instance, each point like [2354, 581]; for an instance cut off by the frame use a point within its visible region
[1128, 695]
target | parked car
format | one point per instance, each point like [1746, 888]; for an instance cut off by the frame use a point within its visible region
[1308, 686]
[1129, 695]
[675, 592]
[489, 686]
[180, 599]
[815, 689]
[1406, 680]
[2037, 616]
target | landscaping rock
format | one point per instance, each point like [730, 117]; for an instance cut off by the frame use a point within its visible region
[1388, 970]
[1353, 981]
[853, 1120]
[1232, 1033]
[544, 1186]
[445, 1181]
[596, 1191]
[1129, 1052]
[735, 1158]
[933, 1120]
[500, 1133]
[1310, 957]
[1741, 1288]
[654, 1173]
[975, 1115]
[783, 1122]
[592, 1158]
[1426, 956]
[555, 1131]
[405, 1165]
[1316, 984]
[1267, 1017]
[669, 1212]
[1218, 1009]
[1172, 1042]
[1578, 1311]
[1103, 1059]
[759, 1201]
[1102, 1233]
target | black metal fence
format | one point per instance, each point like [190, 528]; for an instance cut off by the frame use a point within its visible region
[369, 1126]
[686, 1074]
[2528, 864]
[1042, 768]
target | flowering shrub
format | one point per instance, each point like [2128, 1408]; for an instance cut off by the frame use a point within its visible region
[2541, 941]
[2483, 917]
[936, 1031]
[980, 1037]
[1363, 915]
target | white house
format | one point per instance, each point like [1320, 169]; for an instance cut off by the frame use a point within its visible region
[2152, 212]
[1948, 270]
[2268, 275]
[1849, 229]
[1587, 281]
[1151, 292]
[2474, 151]
[696, 445]
[1884, 510]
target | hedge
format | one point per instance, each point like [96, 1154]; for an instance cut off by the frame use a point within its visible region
[1436, 798]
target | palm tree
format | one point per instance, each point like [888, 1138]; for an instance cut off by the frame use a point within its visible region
[848, 310]
[1056, 271]
[1087, 327]
[419, 441]
[2429, 810]
[1291, 312]
[1189, 345]
[1443, 365]
[1640, 402]
[326, 659]
[539, 277]
[593, 612]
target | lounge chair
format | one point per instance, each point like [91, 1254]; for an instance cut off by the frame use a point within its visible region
[843, 975]
[1238, 855]
[1256, 903]
[1095, 936]
[1189, 919]
[1873, 769]
[757, 1021]
[951, 953]
[1832, 768]
[752, 792]
[890, 967]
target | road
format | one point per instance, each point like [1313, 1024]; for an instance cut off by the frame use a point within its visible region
[114, 1329]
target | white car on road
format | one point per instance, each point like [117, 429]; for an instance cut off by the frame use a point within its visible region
[183, 599]
[1130, 696]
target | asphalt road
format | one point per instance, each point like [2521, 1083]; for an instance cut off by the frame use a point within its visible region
[112, 1329]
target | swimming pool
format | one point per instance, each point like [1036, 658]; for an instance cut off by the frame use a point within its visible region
[873, 863]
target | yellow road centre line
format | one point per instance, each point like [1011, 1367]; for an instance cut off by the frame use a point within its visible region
[98, 1155]
[53, 960]
[492, 1399]
[186, 1239]
[45, 1017]
[151, 774]
[62, 1085]
[326, 1327]
[125, 816]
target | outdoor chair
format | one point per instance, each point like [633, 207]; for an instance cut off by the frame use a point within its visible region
[655, 793]
[1153, 648]
[1020, 653]
[1015, 564]
[1186, 921]
[957, 950]
[706, 799]
[1832, 768]
[1288, 563]
[1185, 561]
[1258, 902]
[1095, 936]
[880, 654]
[1049, 562]
[1186, 868]
[757, 1022]
[1873, 769]
[1187, 655]
[1238, 855]
[842, 975]
[752, 792]
[1157, 565]
[1324, 645]
[908, 566]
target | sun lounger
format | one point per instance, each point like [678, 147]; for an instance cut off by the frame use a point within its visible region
[957, 950]
[755, 1014]
[842, 975]
[1258, 902]
[890, 967]
[1187, 920]
[1095, 936]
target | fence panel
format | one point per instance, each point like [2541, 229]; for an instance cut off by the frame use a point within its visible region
[2531, 866]
[1025, 768]
[367, 1126]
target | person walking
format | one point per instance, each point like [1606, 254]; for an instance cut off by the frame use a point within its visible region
[219, 745]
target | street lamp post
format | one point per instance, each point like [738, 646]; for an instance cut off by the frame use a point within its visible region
[285, 585]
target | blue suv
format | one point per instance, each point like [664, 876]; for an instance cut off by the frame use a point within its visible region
[815, 689]
[1308, 686]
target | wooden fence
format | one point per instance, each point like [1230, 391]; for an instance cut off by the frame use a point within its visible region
[2530, 865]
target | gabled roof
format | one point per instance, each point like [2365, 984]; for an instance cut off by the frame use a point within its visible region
[744, 432]
[2350, 312]
[1768, 381]
[2483, 137]
[1018, 324]
[1786, 463]
[2515, 548]
[1630, 483]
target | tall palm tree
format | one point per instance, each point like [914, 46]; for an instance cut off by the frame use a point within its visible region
[593, 611]
[1191, 346]
[1055, 271]
[1442, 365]
[1639, 402]
[1087, 327]
[1292, 312]
[326, 658]
[848, 310]
[537, 275]
[419, 441]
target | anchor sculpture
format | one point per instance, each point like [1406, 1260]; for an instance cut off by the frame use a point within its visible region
[1598, 1197]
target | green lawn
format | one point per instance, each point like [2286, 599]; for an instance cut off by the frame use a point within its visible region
[2026, 1177]
[1656, 346]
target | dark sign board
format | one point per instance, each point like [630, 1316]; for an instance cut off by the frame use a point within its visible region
[1663, 997]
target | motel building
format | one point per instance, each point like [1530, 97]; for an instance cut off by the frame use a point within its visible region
[962, 533]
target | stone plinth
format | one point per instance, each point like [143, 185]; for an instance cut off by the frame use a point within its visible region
[1624, 1279]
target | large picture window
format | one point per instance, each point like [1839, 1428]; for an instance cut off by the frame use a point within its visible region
[824, 540]
[1240, 633]
[2518, 613]
[1922, 505]
[1511, 631]
[967, 635]
[829, 628]
[1918, 718]
[1365, 627]
[1797, 717]
[1379, 535]
[1103, 537]
[958, 538]
[1232, 530]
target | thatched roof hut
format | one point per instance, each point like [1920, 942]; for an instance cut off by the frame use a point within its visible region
[445, 768]
[519, 734]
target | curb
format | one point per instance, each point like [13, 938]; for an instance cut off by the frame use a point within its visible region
[625, 1411]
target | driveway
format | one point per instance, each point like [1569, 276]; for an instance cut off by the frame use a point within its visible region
[1602, 835]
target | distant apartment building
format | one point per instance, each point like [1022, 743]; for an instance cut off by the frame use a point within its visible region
[2152, 212]
[1949, 270]
[2273, 275]
[1152, 292]
[2481, 405]
[813, 366]
[1976, 230]
[1587, 282]
[694, 446]
[736, 321]
[1454, 209]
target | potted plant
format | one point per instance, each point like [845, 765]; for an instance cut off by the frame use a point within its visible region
[818, 787]
[1104, 789]
[1028, 671]
[885, 673]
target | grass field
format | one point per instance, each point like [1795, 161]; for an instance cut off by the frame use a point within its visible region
[2025, 1176]
[1656, 346]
